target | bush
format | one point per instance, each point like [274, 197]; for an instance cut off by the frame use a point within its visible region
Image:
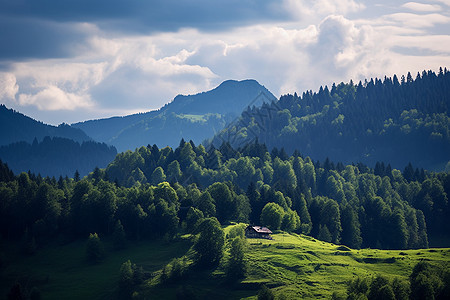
[265, 294]
[174, 271]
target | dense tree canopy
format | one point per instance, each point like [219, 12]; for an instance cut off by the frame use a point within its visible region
[375, 120]
[353, 204]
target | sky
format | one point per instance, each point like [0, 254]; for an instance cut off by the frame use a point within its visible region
[75, 60]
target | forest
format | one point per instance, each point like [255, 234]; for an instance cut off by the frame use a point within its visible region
[391, 120]
[57, 156]
[155, 192]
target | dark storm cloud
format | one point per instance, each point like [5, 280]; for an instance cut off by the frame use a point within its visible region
[46, 28]
[155, 15]
[32, 38]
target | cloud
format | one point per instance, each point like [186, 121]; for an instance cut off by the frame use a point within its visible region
[71, 75]
[422, 7]
[33, 38]
[148, 16]
[418, 21]
[8, 86]
[341, 45]
[305, 9]
[53, 98]
[437, 44]
[446, 2]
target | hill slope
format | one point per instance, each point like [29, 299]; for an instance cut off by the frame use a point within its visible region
[57, 156]
[299, 267]
[390, 120]
[16, 127]
[293, 266]
[193, 117]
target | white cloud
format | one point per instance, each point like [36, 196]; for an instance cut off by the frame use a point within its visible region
[173, 65]
[439, 44]
[446, 2]
[418, 21]
[8, 86]
[343, 49]
[307, 9]
[421, 7]
[53, 98]
[71, 75]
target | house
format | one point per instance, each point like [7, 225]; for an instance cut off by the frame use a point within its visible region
[258, 232]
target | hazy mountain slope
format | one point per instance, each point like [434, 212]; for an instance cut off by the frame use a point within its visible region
[105, 130]
[16, 127]
[392, 120]
[193, 117]
[57, 156]
[229, 97]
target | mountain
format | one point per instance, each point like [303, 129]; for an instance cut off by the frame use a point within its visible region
[57, 156]
[30, 145]
[390, 120]
[192, 117]
[16, 127]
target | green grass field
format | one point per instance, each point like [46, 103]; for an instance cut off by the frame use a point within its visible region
[62, 272]
[197, 118]
[303, 267]
[293, 266]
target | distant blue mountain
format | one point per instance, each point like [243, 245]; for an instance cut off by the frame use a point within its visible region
[16, 127]
[30, 145]
[193, 117]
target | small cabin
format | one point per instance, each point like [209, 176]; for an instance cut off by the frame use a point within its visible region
[258, 232]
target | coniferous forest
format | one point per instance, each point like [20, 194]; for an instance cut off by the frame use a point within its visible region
[57, 156]
[394, 120]
[155, 188]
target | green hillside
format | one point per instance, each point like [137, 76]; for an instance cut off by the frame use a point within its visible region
[292, 266]
[299, 267]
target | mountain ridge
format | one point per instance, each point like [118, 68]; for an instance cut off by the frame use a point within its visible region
[22, 128]
[201, 115]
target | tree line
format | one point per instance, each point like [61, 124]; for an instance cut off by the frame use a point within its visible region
[160, 192]
[391, 119]
[55, 156]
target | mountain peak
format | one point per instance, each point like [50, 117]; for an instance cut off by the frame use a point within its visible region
[192, 117]
[231, 82]
[231, 96]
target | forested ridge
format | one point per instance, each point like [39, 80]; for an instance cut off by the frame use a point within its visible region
[16, 127]
[57, 156]
[157, 192]
[392, 120]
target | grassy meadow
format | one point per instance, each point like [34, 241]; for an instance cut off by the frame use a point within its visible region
[293, 266]
[63, 272]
